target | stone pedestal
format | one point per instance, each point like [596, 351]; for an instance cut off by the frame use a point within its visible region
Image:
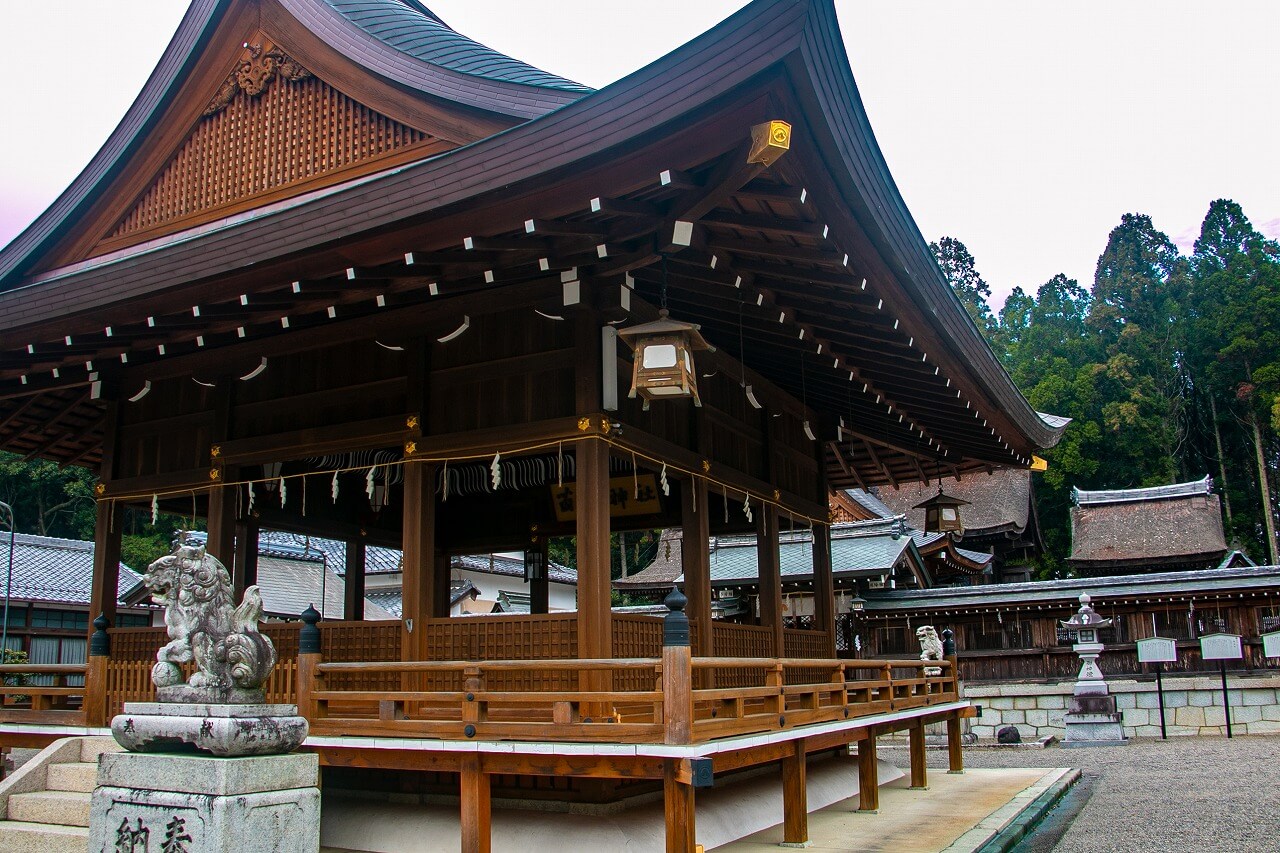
[223, 730]
[1092, 718]
[203, 804]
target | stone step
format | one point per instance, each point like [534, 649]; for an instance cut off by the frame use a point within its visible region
[21, 837]
[80, 776]
[66, 808]
[92, 747]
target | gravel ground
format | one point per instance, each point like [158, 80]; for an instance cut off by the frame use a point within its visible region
[1183, 794]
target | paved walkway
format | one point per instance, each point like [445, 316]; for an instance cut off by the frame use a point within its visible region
[1183, 794]
[941, 818]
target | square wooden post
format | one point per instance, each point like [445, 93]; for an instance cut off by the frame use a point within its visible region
[591, 502]
[677, 798]
[955, 751]
[244, 568]
[868, 777]
[695, 560]
[824, 591]
[769, 559]
[221, 517]
[477, 830]
[102, 602]
[353, 604]
[919, 765]
[418, 542]
[795, 797]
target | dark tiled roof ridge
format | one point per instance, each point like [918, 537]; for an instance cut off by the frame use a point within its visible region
[1192, 488]
[47, 541]
[414, 30]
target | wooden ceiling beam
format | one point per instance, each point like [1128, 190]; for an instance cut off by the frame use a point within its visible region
[766, 224]
[625, 207]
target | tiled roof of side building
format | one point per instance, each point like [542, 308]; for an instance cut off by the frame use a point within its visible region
[998, 501]
[415, 30]
[1153, 527]
[56, 570]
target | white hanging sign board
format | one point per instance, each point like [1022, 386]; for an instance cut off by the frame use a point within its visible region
[1221, 647]
[1271, 644]
[1157, 650]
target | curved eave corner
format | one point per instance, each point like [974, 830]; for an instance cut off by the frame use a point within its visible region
[857, 163]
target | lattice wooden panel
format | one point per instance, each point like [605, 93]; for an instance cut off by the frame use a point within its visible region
[295, 130]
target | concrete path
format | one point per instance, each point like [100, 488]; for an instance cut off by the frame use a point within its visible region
[957, 813]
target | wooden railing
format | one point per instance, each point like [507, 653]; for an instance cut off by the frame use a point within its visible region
[41, 703]
[470, 707]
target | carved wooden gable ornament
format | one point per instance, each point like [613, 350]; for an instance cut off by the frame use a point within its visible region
[273, 129]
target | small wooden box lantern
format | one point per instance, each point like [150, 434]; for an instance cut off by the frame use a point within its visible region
[663, 363]
[942, 513]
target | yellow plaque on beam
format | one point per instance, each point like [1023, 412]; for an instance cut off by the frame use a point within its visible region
[1038, 464]
[769, 141]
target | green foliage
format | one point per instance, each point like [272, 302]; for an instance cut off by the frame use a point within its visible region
[48, 500]
[961, 271]
[1163, 361]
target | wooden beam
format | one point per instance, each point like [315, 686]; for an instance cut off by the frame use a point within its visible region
[678, 810]
[824, 593]
[244, 573]
[868, 776]
[353, 604]
[919, 765]
[768, 555]
[419, 546]
[595, 634]
[695, 560]
[795, 798]
[477, 830]
[390, 430]
[955, 750]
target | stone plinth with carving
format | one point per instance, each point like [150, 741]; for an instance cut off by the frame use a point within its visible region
[209, 766]
[1091, 718]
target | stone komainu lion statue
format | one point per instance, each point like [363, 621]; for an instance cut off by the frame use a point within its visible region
[930, 648]
[231, 658]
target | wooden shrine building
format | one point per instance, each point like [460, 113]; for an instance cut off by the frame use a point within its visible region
[341, 270]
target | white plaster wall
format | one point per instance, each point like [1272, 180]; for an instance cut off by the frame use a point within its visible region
[1193, 706]
[560, 596]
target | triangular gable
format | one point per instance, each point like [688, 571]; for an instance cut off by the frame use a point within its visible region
[305, 93]
[273, 129]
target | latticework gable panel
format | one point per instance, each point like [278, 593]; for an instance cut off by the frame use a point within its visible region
[291, 134]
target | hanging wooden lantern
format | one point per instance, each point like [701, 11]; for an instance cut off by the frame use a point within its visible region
[942, 513]
[663, 363]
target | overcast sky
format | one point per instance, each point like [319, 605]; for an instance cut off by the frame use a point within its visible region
[1023, 129]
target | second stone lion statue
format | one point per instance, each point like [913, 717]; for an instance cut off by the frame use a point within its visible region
[930, 648]
[232, 659]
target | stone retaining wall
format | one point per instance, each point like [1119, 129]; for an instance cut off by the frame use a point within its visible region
[1193, 706]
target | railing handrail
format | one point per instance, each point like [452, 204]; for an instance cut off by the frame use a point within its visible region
[43, 669]
[549, 664]
[816, 663]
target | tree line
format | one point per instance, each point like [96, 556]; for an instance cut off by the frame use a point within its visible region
[1169, 366]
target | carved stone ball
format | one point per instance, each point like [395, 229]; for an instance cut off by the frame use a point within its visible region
[1009, 734]
[166, 674]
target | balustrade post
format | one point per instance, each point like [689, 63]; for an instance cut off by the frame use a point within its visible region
[677, 671]
[94, 705]
[955, 751]
[309, 657]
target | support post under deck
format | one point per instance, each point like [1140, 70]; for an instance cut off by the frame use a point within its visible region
[919, 765]
[868, 777]
[795, 797]
[477, 830]
[677, 799]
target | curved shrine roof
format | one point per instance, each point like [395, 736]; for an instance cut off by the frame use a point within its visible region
[415, 30]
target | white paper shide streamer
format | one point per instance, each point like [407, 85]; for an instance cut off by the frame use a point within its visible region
[155, 508]
[495, 471]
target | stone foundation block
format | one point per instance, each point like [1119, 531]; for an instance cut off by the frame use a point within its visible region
[1189, 716]
[1264, 727]
[1136, 717]
[1201, 699]
[1247, 714]
[1000, 703]
[1259, 697]
[261, 804]
[1052, 702]
[1037, 718]
[1149, 700]
[1023, 703]
[1271, 712]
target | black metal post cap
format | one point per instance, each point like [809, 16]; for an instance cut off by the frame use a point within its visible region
[309, 636]
[100, 640]
[675, 625]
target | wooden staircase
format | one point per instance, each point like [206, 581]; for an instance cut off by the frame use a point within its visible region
[44, 806]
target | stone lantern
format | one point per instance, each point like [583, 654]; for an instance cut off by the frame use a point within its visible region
[1091, 718]
[942, 513]
[664, 359]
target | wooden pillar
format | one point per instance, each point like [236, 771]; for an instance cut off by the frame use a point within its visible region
[769, 560]
[695, 560]
[795, 798]
[244, 568]
[919, 766]
[824, 591]
[955, 751]
[102, 602]
[477, 832]
[441, 598]
[418, 542]
[868, 778]
[221, 518]
[591, 502]
[677, 798]
[353, 604]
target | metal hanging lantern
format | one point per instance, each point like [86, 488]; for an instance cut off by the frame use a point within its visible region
[942, 513]
[663, 363]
